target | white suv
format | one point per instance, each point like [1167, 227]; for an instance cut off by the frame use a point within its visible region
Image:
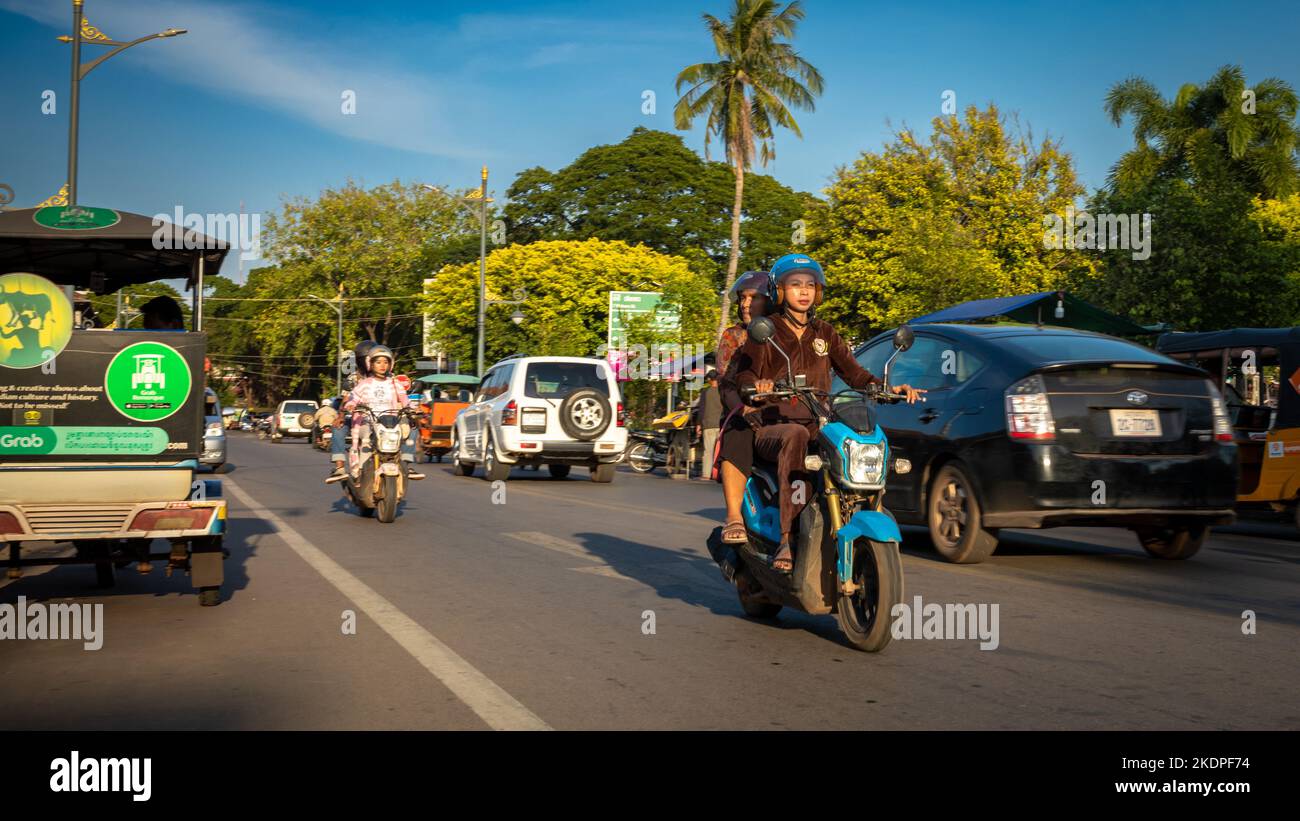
[288, 419]
[557, 411]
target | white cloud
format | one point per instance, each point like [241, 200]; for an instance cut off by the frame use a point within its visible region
[256, 54]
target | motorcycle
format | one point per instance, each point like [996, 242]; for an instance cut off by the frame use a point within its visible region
[646, 450]
[846, 549]
[376, 481]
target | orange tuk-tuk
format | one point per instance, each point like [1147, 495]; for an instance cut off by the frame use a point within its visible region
[444, 395]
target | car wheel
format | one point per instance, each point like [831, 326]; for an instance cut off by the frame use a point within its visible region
[1172, 542]
[585, 414]
[559, 471]
[494, 470]
[459, 465]
[603, 473]
[955, 518]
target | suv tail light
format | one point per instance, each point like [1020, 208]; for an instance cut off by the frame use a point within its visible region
[1029, 415]
[621, 416]
[1222, 422]
[510, 413]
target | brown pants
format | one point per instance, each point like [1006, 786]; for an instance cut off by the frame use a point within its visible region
[786, 445]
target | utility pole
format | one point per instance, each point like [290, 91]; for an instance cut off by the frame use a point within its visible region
[482, 266]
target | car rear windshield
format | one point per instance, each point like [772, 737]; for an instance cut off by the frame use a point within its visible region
[1062, 348]
[299, 407]
[555, 380]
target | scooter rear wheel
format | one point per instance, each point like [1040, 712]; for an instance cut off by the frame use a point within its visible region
[755, 605]
[641, 458]
[865, 616]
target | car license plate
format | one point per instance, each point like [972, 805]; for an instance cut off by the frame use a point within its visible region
[1135, 422]
[535, 419]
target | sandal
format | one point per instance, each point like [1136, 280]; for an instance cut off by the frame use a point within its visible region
[783, 559]
[734, 533]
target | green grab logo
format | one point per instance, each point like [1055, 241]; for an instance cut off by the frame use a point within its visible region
[147, 381]
[76, 217]
[82, 441]
[27, 441]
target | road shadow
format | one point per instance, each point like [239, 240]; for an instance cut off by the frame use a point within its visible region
[72, 581]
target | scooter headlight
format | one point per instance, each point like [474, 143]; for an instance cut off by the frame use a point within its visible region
[390, 441]
[866, 463]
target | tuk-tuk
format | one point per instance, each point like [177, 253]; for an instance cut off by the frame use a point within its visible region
[1258, 372]
[101, 430]
[444, 396]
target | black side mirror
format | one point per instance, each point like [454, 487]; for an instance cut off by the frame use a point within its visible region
[903, 338]
[761, 329]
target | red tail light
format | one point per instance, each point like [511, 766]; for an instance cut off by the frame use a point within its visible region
[622, 415]
[9, 523]
[510, 413]
[195, 518]
[1029, 414]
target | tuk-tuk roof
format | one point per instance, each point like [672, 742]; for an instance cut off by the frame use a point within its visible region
[448, 379]
[1231, 338]
[121, 246]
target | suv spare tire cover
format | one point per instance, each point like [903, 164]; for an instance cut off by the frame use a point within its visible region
[585, 414]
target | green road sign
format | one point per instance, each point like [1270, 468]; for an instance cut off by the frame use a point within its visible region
[625, 305]
[147, 381]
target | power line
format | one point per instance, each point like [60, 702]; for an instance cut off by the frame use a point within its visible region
[314, 321]
[307, 299]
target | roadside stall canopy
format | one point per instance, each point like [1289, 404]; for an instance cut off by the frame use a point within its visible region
[102, 249]
[1039, 308]
[1230, 344]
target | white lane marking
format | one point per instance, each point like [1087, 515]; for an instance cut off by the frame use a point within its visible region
[497, 708]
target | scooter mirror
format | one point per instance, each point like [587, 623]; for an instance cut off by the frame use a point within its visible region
[903, 338]
[761, 329]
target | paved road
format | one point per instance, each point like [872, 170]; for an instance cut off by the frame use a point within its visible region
[528, 611]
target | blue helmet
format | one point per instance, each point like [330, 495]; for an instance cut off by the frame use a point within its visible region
[789, 264]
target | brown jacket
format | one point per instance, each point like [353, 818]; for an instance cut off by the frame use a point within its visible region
[819, 351]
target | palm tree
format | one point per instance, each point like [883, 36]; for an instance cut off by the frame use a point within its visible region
[746, 94]
[1209, 128]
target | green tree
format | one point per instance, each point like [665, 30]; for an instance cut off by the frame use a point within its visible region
[1216, 170]
[653, 190]
[747, 94]
[567, 308]
[921, 226]
[1223, 129]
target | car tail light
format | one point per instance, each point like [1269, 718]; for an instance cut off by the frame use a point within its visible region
[621, 417]
[173, 518]
[1222, 422]
[1029, 415]
[214, 429]
[9, 523]
[510, 413]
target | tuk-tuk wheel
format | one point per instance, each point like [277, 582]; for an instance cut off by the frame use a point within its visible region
[209, 596]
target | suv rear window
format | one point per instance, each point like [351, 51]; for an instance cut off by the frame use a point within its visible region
[299, 407]
[1061, 348]
[555, 380]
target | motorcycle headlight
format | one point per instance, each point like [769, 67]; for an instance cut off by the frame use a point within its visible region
[866, 463]
[390, 441]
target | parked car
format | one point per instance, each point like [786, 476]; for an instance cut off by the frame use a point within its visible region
[287, 420]
[557, 411]
[214, 432]
[1033, 427]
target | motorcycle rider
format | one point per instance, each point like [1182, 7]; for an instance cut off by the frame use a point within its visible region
[784, 427]
[343, 424]
[381, 393]
[736, 453]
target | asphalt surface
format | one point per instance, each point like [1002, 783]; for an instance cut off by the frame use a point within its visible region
[530, 606]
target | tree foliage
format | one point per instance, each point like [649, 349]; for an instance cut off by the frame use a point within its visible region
[921, 226]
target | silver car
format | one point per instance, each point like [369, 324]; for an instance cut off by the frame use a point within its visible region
[214, 432]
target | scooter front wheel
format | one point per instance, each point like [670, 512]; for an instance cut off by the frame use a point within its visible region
[865, 617]
[388, 505]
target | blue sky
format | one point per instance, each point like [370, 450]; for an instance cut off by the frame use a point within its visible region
[247, 105]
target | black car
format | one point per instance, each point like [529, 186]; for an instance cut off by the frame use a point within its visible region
[1027, 426]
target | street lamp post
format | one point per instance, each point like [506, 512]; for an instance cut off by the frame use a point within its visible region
[337, 305]
[84, 32]
[482, 266]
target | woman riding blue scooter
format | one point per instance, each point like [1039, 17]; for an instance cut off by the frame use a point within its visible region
[784, 427]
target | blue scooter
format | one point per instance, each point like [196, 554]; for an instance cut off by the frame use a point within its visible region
[846, 546]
